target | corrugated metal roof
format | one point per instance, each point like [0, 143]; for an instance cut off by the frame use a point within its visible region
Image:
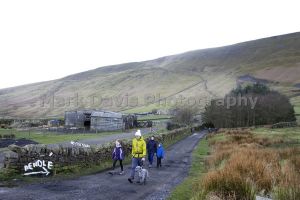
[106, 114]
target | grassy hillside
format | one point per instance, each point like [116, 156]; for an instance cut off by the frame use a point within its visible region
[201, 74]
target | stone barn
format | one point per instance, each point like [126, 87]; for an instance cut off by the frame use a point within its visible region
[94, 120]
[106, 121]
[78, 119]
[130, 121]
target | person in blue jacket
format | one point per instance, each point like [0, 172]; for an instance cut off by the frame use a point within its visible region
[151, 150]
[160, 154]
[118, 155]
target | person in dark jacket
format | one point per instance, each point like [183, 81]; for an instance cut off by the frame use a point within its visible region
[151, 149]
[160, 154]
[118, 155]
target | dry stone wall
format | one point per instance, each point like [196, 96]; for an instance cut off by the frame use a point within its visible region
[51, 159]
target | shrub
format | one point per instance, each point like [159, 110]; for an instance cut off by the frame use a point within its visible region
[184, 115]
[172, 126]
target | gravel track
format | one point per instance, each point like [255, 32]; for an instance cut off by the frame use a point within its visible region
[104, 186]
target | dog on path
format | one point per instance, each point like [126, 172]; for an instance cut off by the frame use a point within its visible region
[143, 174]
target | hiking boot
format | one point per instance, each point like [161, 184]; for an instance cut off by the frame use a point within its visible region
[121, 173]
[130, 180]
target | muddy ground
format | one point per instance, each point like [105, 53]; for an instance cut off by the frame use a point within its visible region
[104, 186]
[20, 142]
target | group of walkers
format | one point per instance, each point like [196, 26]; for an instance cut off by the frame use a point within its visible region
[139, 151]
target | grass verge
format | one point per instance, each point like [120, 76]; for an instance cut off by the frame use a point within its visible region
[51, 138]
[183, 191]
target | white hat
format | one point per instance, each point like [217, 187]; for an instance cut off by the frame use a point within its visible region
[138, 133]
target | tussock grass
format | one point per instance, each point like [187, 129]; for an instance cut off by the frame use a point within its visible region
[244, 164]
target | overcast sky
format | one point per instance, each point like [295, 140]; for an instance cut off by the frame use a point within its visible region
[44, 40]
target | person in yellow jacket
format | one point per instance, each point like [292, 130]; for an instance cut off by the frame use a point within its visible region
[138, 153]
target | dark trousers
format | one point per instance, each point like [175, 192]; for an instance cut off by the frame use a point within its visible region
[158, 162]
[121, 164]
[150, 157]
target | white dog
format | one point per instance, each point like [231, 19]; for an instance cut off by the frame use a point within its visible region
[143, 174]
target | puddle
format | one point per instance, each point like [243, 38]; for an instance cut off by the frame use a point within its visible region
[60, 188]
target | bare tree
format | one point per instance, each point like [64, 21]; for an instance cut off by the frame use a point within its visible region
[184, 115]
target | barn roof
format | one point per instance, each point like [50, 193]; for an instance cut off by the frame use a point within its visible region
[106, 114]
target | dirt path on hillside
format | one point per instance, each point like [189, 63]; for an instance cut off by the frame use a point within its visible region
[104, 186]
